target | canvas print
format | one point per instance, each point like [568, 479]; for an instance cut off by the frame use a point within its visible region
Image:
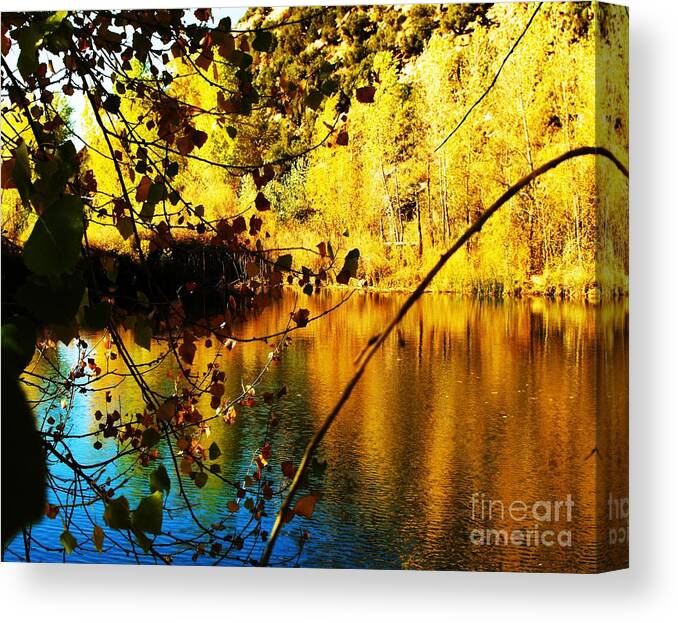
[320, 286]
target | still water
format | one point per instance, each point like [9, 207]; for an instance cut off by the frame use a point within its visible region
[468, 417]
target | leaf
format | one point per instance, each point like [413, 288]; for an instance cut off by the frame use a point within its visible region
[143, 332]
[287, 468]
[313, 99]
[262, 41]
[143, 189]
[261, 203]
[144, 542]
[7, 174]
[252, 269]
[167, 410]
[185, 145]
[28, 39]
[116, 514]
[160, 480]
[301, 317]
[187, 351]
[350, 266]
[21, 173]
[342, 138]
[53, 248]
[150, 437]
[365, 95]
[68, 541]
[233, 506]
[200, 479]
[98, 538]
[306, 505]
[148, 516]
[284, 262]
[112, 104]
[125, 226]
[199, 138]
[214, 451]
[155, 193]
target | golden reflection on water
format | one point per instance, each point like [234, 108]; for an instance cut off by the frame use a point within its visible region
[521, 400]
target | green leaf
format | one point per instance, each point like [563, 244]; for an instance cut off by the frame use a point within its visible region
[160, 480]
[125, 226]
[68, 541]
[214, 451]
[148, 516]
[155, 193]
[29, 39]
[53, 248]
[116, 514]
[147, 211]
[144, 542]
[143, 332]
[150, 437]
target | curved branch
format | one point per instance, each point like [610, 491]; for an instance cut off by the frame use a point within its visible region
[376, 341]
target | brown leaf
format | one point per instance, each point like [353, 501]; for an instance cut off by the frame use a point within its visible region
[252, 269]
[199, 138]
[185, 145]
[187, 351]
[306, 505]
[365, 95]
[287, 468]
[167, 410]
[261, 203]
[98, 538]
[301, 317]
[143, 189]
[7, 173]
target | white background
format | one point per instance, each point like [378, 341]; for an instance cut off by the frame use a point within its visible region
[645, 592]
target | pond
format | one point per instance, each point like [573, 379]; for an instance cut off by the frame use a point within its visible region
[477, 438]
